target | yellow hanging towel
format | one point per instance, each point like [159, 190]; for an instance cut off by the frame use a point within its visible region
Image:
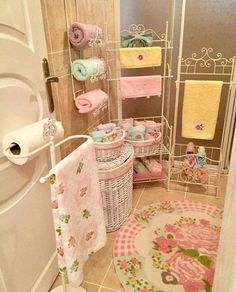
[140, 57]
[200, 108]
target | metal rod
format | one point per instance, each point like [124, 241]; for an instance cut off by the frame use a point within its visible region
[228, 114]
[6, 153]
[208, 74]
[228, 83]
[179, 70]
[118, 79]
[168, 101]
[163, 48]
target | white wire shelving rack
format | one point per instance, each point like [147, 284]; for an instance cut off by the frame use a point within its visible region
[162, 150]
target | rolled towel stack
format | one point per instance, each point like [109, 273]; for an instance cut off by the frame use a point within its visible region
[105, 133]
[91, 100]
[136, 133]
[141, 130]
[152, 129]
[81, 33]
[126, 124]
[84, 69]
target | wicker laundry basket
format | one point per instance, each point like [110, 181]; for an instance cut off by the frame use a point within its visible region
[116, 184]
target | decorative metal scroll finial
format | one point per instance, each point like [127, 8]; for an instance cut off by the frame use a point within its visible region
[139, 29]
[96, 43]
[49, 128]
[207, 59]
[96, 77]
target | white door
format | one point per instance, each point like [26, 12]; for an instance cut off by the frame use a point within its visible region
[27, 247]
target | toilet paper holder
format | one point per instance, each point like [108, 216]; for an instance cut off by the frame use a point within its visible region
[12, 150]
[49, 131]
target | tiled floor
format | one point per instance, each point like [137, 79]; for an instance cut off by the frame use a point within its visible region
[99, 272]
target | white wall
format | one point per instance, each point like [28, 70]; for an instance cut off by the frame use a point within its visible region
[225, 275]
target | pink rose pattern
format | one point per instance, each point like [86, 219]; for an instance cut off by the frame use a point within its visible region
[193, 245]
[198, 236]
[187, 269]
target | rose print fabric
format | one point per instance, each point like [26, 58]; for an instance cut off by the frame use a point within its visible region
[169, 246]
[77, 210]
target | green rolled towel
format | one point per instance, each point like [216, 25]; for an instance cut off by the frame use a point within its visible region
[138, 40]
[83, 69]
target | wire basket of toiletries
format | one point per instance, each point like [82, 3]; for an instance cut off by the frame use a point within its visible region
[147, 136]
[195, 165]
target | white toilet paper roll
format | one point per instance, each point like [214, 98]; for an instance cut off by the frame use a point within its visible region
[28, 139]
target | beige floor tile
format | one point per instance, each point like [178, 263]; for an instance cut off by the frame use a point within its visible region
[112, 280]
[139, 186]
[90, 287]
[223, 185]
[105, 289]
[202, 190]
[137, 191]
[112, 235]
[155, 184]
[215, 201]
[57, 282]
[97, 265]
[87, 286]
[154, 195]
[178, 186]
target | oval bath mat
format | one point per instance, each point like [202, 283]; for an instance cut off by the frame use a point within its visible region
[168, 247]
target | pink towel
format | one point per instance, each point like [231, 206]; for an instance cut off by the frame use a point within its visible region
[81, 33]
[89, 101]
[137, 86]
[77, 210]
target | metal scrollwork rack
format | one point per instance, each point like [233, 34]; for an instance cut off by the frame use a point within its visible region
[162, 150]
[94, 44]
[204, 65]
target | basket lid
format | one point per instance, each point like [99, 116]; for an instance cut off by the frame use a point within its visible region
[126, 151]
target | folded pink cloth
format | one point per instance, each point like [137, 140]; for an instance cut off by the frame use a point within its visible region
[137, 86]
[89, 101]
[81, 33]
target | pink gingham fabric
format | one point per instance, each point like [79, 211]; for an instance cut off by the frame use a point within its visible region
[124, 243]
[184, 206]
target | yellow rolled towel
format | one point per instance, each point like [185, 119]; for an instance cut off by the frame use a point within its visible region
[200, 108]
[140, 57]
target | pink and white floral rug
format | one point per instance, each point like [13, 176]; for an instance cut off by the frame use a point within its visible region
[168, 247]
